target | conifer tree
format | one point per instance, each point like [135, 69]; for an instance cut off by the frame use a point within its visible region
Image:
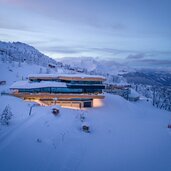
[6, 115]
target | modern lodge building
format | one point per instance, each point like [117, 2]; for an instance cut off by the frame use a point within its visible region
[70, 90]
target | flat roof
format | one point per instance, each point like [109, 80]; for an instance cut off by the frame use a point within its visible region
[67, 77]
[42, 84]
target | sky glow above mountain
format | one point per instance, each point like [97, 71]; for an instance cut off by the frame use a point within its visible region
[124, 30]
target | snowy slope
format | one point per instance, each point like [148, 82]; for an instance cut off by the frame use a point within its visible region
[20, 52]
[124, 136]
[12, 72]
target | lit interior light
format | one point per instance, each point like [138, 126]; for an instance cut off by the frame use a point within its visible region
[98, 103]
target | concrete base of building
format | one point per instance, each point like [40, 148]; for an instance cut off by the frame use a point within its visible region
[69, 103]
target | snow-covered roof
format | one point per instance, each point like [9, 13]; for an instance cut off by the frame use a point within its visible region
[66, 75]
[28, 85]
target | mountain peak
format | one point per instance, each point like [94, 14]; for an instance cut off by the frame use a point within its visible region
[22, 52]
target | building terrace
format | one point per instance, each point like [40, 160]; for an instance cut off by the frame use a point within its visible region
[69, 89]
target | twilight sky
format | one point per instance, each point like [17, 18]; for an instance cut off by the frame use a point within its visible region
[137, 31]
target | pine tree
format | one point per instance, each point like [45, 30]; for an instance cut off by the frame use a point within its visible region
[40, 71]
[6, 115]
[47, 71]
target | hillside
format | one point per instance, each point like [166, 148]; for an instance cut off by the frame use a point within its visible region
[21, 52]
[123, 135]
[155, 78]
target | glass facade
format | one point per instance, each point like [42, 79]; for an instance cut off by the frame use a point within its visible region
[61, 90]
[86, 86]
[67, 81]
[73, 86]
[65, 90]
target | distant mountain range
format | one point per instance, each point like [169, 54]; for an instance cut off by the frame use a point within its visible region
[111, 67]
[154, 78]
[97, 65]
[21, 52]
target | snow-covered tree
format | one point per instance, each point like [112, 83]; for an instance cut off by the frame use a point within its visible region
[47, 71]
[19, 64]
[20, 52]
[56, 69]
[17, 75]
[40, 71]
[13, 64]
[6, 115]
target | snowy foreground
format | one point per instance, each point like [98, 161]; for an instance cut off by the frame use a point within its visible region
[124, 136]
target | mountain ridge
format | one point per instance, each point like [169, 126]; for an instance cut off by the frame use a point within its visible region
[22, 52]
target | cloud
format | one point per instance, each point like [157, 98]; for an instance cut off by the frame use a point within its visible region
[136, 56]
[13, 26]
[15, 20]
[156, 62]
[150, 63]
[82, 49]
[69, 12]
[11, 1]
[109, 25]
[111, 50]
[62, 49]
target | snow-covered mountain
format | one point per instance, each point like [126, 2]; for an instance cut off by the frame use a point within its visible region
[123, 135]
[97, 65]
[21, 59]
[21, 52]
